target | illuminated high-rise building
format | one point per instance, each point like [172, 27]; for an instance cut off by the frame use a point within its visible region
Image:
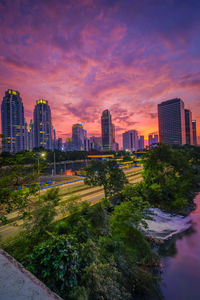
[30, 136]
[42, 125]
[25, 135]
[96, 143]
[194, 132]
[188, 127]
[12, 118]
[153, 140]
[140, 142]
[68, 146]
[130, 140]
[107, 130]
[78, 137]
[60, 144]
[171, 117]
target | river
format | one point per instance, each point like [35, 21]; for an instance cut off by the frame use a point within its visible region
[181, 262]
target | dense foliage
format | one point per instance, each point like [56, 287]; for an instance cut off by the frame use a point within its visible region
[106, 174]
[100, 251]
[14, 174]
[170, 174]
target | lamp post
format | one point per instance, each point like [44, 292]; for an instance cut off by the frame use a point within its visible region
[41, 155]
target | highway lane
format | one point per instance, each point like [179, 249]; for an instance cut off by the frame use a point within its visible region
[90, 194]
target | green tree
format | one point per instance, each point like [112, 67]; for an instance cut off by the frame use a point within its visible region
[57, 263]
[169, 176]
[42, 214]
[17, 183]
[37, 226]
[106, 174]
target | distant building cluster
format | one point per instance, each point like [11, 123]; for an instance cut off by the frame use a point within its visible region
[176, 127]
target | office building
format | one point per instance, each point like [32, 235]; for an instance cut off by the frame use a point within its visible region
[12, 118]
[171, 119]
[30, 136]
[54, 141]
[59, 144]
[153, 140]
[107, 131]
[78, 137]
[68, 146]
[130, 140]
[194, 132]
[42, 125]
[87, 145]
[96, 143]
[188, 127]
[140, 142]
[25, 135]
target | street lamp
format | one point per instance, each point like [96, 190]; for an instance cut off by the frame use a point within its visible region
[41, 155]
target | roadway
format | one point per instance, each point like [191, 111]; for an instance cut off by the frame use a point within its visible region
[75, 188]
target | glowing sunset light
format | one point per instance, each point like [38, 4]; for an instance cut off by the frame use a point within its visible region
[85, 56]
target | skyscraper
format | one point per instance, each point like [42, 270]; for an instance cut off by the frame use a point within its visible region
[54, 141]
[141, 142]
[153, 139]
[68, 146]
[78, 137]
[60, 144]
[188, 127]
[30, 136]
[96, 143]
[107, 130]
[171, 117]
[130, 140]
[25, 135]
[194, 132]
[42, 125]
[12, 118]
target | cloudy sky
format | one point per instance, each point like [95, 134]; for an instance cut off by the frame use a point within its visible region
[84, 56]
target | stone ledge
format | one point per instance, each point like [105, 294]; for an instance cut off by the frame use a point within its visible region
[19, 284]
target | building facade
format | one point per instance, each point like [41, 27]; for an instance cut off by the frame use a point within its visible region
[42, 125]
[68, 145]
[12, 118]
[194, 132]
[107, 131]
[78, 137]
[25, 135]
[130, 140]
[188, 127]
[140, 142]
[96, 143]
[171, 120]
[30, 136]
[153, 140]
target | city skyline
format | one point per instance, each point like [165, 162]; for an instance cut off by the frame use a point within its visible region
[117, 57]
[175, 125]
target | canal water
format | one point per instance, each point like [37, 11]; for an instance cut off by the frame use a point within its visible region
[181, 261]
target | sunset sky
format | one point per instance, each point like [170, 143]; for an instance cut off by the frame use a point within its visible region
[84, 56]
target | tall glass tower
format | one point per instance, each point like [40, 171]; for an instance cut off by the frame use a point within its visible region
[171, 118]
[106, 130]
[42, 125]
[78, 137]
[194, 132]
[188, 127]
[12, 118]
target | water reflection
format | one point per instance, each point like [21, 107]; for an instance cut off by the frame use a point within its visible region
[181, 262]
